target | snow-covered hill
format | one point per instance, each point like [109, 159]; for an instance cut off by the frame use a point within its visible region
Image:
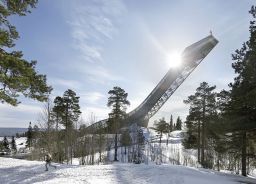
[173, 152]
[15, 171]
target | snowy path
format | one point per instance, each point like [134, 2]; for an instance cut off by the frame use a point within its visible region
[22, 171]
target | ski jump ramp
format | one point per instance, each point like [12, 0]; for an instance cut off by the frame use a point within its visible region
[191, 58]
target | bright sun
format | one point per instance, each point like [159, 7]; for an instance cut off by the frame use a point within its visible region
[174, 59]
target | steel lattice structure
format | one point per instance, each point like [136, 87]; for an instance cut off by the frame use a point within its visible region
[191, 58]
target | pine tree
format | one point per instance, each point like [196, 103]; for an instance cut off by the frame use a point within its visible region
[140, 136]
[178, 124]
[13, 144]
[171, 126]
[140, 142]
[203, 107]
[29, 136]
[71, 107]
[222, 143]
[118, 101]
[241, 108]
[83, 143]
[192, 139]
[100, 139]
[35, 134]
[58, 110]
[17, 76]
[57, 115]
[161, 127]
[125, 140]
[1, 146]
[6, 143]
[170, 129]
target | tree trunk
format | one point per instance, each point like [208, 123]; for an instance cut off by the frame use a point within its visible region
[244, 153]
[238, 166]
[92, 150]
[203, 145]
[198, 142]
[57, 139]
[160, 141]
[66, 136]
[128, 154]
[248, 165]
[115, 157]
[218, 161]
[71, 145]
[203, 136]
[100, 145]
[71, 153]
[167, 138]
[229, 161]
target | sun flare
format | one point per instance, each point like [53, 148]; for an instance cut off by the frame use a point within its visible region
[174, 59]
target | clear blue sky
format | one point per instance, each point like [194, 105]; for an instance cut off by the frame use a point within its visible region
[91, 46]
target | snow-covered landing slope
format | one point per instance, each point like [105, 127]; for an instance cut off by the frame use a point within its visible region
[22, 171]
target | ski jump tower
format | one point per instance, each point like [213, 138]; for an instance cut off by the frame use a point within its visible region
[191, 58]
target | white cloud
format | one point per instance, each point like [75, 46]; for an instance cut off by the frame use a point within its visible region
[237, 26]
[65, 83]
[91, 97]
[101, 75]
[14, 122]
[92, 23]
[19, 116]
[25, 108]
[94, 113]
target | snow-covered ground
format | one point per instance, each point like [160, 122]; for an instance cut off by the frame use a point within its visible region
[20, 142]
[174, 153]
[22, 151]
[15, 171]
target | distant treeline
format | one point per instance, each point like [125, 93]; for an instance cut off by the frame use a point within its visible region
[12, 132]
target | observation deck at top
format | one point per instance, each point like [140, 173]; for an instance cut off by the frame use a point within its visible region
[191, 58]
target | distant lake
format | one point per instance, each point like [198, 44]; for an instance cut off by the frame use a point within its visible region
[11, 131]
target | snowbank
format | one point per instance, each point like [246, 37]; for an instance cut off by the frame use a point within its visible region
[25, 172]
